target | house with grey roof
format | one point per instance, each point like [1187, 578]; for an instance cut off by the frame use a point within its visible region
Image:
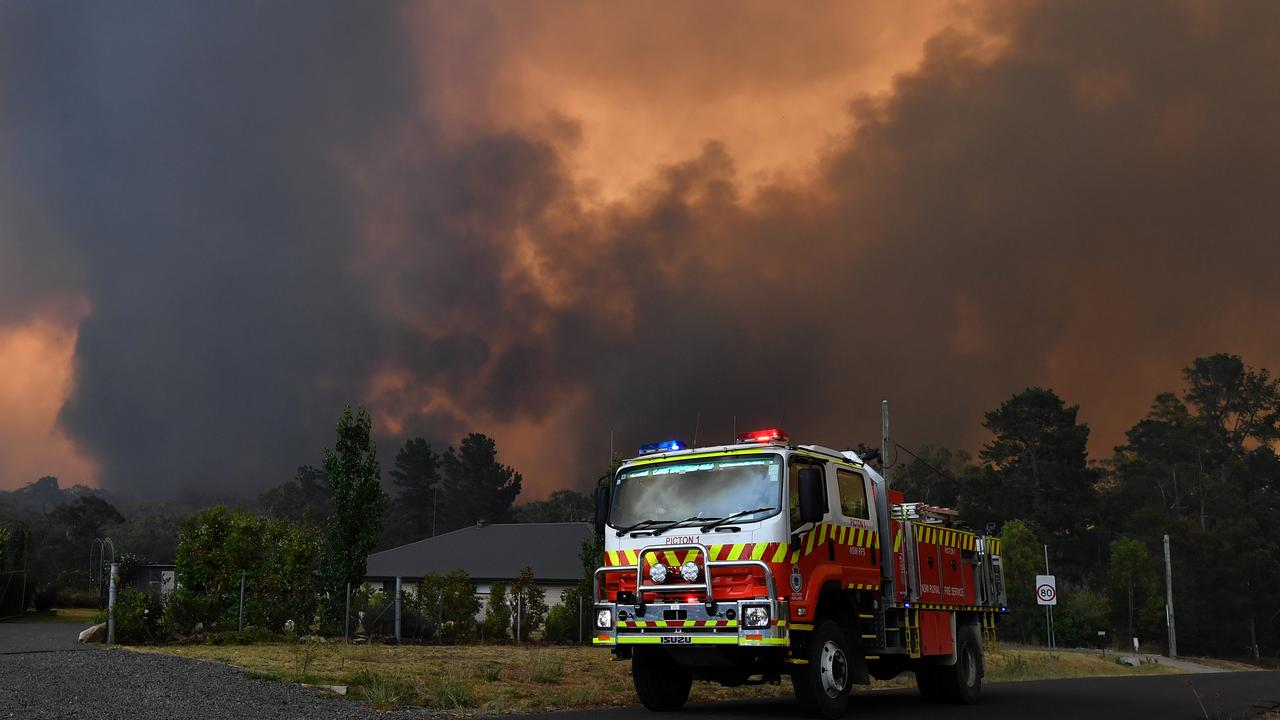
[489, 554]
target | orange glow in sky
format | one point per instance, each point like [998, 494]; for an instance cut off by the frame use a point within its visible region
[649, 85]
[35, 379]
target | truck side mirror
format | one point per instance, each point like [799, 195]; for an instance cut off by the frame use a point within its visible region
[812, 495]
[602, 508]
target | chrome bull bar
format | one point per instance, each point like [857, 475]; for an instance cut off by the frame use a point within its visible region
[705, 586]
[774, 633]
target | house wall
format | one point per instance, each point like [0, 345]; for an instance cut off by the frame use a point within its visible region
[552, 592]
[551, 597]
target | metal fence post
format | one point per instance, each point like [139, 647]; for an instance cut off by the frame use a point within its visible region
[111, 603]
[397, 610]
[346, 618]
[240, 629]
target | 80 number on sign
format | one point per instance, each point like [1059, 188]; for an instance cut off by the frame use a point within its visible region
[1046, 590]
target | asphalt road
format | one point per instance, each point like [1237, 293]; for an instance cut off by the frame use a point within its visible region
[44, 673]
[1226, 696]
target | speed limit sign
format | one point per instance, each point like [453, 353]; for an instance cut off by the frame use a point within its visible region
[1046, 590]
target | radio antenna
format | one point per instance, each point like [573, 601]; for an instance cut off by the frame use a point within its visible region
[697, 422]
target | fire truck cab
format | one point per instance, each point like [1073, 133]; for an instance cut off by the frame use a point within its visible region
[743, 563]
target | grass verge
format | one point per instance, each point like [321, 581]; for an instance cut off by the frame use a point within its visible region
[491, 679]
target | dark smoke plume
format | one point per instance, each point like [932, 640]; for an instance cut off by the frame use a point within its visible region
[271, 220]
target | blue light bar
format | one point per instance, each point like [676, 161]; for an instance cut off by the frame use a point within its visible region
[664, 446]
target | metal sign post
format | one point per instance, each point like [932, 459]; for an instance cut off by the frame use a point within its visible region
[1047, 595]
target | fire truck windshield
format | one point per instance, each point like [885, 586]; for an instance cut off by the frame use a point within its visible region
[698, 490]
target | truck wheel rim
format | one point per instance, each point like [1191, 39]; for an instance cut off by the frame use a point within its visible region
[970, 668]
[833, 668]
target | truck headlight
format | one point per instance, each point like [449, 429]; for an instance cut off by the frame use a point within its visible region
[604, 618]
[658, 573]
[689, 571]
[755, 616]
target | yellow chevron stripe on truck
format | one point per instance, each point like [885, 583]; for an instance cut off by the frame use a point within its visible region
[767, 552]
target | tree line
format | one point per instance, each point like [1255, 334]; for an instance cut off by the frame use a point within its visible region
[49, 530]
[1200, 466]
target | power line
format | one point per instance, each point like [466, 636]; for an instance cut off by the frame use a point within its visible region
[922, 461]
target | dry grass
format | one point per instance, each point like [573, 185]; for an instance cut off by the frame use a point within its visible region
[478, 678]
[1231, 665]
[1014, 665]
[489, 679]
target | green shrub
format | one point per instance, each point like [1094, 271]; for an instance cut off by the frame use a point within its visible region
[447, 606]
[1079, 617]
[184, 610]
[562, 624]
[529, 597]
[138, 616]
[497, 614]
[490, 671]
[218, 549]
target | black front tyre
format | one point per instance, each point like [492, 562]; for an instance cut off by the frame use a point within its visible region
[823, 684]
[661, 684]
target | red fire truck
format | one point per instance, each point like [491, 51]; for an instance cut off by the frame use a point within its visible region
[742, 563]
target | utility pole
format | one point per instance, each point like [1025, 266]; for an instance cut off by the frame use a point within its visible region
[111, 603]
[346, 617]
[888, 581]
[1168, 599]
[884, 441]
[397, 610]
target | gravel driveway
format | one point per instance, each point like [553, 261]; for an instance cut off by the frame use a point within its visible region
[45, 673]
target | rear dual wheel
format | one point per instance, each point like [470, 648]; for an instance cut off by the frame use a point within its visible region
[960, 683]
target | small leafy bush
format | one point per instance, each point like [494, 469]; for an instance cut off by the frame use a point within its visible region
[138, 616]
[185, 610]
